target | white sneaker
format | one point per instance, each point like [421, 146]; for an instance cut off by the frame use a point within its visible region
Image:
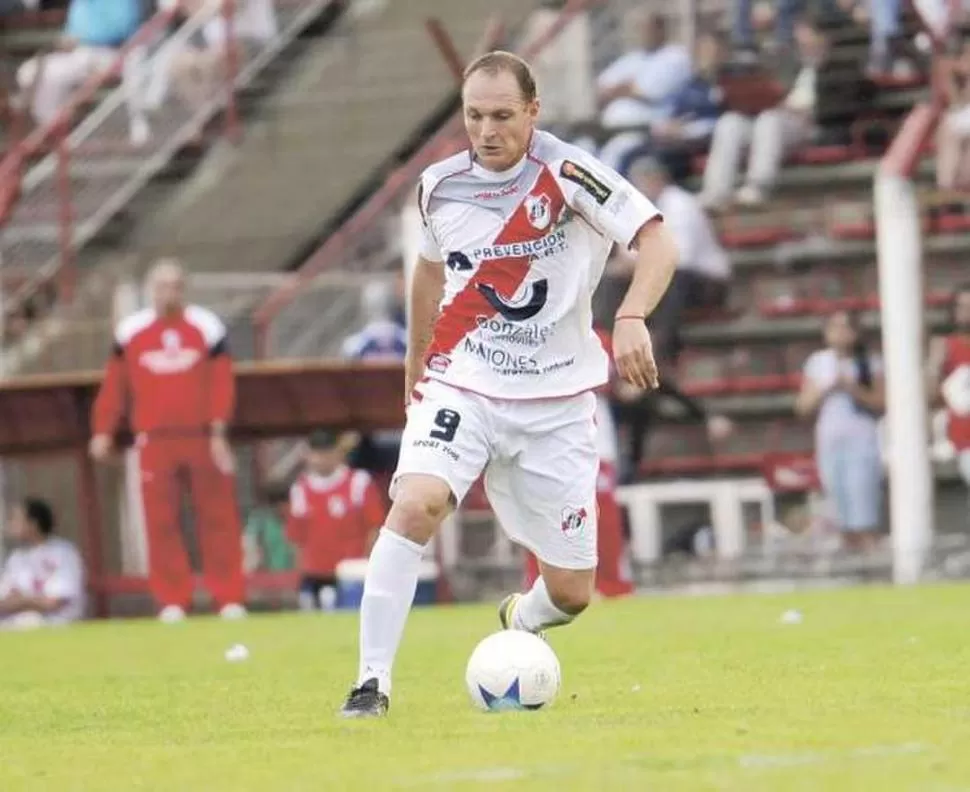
[171, 614]
[139, 131]
[750, 195]
[233, 612]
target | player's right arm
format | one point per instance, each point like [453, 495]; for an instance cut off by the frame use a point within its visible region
[427, 288]
[110, 403]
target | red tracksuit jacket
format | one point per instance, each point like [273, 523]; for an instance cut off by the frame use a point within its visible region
[173, 374]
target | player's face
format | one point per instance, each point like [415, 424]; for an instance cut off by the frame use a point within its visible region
[961, 312]
[498, 120]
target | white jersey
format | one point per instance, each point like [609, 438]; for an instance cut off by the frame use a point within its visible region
[523, 250]
[50, 569]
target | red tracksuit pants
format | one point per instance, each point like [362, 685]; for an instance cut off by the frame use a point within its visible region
[168, 464]
[609, 543]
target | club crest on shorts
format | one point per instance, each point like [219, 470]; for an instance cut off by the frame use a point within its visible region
[539, 210]
[573, 521]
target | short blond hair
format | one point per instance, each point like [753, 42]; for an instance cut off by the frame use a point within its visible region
[498, 61]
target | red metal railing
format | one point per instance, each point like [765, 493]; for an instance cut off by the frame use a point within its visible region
[54, 138]
[447, 138]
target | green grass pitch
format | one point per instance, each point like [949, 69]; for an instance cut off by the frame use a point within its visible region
[870, 692]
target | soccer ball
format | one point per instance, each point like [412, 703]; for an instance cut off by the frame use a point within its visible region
[512, 670]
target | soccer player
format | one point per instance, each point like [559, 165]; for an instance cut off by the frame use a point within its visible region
[171, 362]
[42, 581]
[503, 361]
[335, 513]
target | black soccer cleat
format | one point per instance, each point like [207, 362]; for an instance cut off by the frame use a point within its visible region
[505, 609]
[366, 701]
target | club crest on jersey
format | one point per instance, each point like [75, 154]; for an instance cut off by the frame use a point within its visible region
[573, 521]
[438, 363]
[172, 358]
[336, 506]
[538, 209]
[579, 175]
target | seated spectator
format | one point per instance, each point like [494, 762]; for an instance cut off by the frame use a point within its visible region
[265, 546]
[701, 279]
[335, 514]
[952, 160]
[694, 112]
[637, 411]
[748, 16]
[42, 581]
[197, 73]
[843, 386]
[95, 30]
[638, 88]
[383, 339]
[18, 6]
[770, 135]
[563, 67]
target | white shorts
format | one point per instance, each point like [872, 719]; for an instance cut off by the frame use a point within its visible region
[539, 459]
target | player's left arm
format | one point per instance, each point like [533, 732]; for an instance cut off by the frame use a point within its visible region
[616, 209]
[655, 265]
[222, 399]
[221, 384]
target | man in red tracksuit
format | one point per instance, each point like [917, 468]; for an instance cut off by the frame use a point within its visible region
[609, 539]
[171, 373]
[335, 514]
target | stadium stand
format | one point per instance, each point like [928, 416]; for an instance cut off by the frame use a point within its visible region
[321, 182]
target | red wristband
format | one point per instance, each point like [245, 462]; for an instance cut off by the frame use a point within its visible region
[618, 317]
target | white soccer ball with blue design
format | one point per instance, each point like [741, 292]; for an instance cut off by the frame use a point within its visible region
[512, 670]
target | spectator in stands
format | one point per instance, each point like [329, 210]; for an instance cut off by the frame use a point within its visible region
[770, 135]
[696, 108]
[265, 546]
[18, 6]
[383, 339]
[335, 513]
[949, 371]
[637, 90]
[701, 279]
[952, 151]
[198, 74]
[171, 372]
[748, 15]
[95, 30]
[842, 385]
[42, 581]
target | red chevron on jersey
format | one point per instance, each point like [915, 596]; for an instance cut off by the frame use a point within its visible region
[532, 219]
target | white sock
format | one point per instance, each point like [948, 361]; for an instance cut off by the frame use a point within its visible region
[536, 611]
[392, 578]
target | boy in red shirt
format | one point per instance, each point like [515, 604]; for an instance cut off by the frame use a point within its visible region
[949, 366]
[335, 513]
